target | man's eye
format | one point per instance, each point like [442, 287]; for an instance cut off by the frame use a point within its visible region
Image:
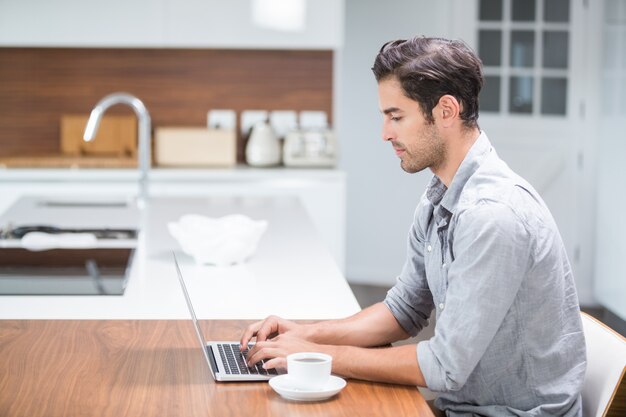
[396, 119]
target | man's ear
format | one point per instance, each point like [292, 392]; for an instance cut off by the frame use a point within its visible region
[449, 110]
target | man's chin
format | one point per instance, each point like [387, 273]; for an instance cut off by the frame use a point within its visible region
[410, 169]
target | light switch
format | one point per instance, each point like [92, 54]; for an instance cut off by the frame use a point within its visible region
[222, 119]
[310, 119]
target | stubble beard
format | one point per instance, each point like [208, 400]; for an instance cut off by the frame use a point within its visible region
[431, 154]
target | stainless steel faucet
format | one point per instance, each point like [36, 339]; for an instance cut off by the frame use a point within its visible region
[143, 134]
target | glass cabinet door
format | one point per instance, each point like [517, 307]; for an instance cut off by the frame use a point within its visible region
[533, 36]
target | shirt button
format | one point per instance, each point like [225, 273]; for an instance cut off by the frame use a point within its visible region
[429, 248]
[441, 306]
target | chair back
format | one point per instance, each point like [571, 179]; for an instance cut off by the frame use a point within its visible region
[604, 389]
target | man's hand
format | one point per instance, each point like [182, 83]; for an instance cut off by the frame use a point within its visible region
[268, 329]
[275, 339]
[276, 350]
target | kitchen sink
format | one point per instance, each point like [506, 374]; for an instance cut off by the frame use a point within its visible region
[99, 268]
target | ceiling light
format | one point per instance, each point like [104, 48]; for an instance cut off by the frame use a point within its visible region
[282, 15]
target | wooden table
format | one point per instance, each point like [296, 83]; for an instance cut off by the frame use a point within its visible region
[153, 368]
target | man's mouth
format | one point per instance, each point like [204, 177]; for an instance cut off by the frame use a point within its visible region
[399, 151]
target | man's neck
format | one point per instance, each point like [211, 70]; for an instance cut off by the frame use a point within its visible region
[457, 149]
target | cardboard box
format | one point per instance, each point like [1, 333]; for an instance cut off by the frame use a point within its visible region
[195, 147]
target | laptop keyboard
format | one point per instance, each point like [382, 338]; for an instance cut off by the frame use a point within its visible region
[234, 361]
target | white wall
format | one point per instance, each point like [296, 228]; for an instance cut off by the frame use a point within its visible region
[610, 282]
[381, 196]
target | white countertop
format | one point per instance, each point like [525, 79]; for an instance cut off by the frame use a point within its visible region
[292, 274]
[238, 173]
[321, 191]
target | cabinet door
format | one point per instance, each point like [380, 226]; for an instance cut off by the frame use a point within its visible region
[219, 24]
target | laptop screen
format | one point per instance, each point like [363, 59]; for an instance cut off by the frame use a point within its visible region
[193, 314]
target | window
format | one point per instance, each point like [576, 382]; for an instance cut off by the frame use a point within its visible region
[525, 49]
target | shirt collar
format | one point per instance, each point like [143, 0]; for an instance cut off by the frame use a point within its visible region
[448, 197]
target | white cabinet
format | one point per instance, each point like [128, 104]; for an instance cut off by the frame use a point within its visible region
[321, 192]
[229, 24]
[162, 23]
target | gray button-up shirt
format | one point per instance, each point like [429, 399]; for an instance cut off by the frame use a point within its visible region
[487, 256]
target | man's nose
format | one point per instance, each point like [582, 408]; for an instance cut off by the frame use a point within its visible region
[387, 134]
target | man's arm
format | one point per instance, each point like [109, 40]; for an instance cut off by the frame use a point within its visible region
[398, 365]
[374, 326]
[344, 340]
[370, 327]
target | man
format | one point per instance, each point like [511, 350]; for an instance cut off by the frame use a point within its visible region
[483, 252]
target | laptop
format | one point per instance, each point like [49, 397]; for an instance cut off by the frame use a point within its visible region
[226, 362]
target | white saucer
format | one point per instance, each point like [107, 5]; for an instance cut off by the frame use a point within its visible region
[282, 385]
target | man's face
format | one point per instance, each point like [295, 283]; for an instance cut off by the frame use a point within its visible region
[416, 141]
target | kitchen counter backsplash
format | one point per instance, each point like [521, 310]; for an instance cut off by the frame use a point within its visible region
[178, 87]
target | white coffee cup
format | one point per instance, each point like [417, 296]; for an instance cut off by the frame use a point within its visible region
[309, 371]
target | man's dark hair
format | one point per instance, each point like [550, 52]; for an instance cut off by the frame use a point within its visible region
[429, 68]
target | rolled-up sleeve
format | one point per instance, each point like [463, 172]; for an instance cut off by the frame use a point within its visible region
[492, 255]
[410, 299]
